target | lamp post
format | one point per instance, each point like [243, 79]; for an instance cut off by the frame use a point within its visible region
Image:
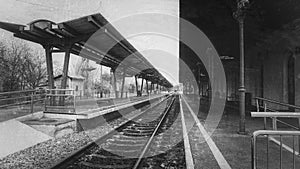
[240, 15]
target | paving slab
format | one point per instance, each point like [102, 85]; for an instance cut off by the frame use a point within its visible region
[16, 136]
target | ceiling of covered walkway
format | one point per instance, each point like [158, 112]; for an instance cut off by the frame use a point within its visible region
[91, 37]
[215, 19]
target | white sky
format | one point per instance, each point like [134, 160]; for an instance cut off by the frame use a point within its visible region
[161, 51]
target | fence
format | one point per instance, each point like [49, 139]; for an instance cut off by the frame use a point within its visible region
[262, 104]
[22, 98]
[60, 101]
[269, 135]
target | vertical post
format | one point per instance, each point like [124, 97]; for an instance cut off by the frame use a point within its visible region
[74, 95]
[65, 74]
[115, 83]
[142, 86]
[298, 136]
[101, 83]
[151, 85]
[202, 89]
[49, 63]
[31, 104]
[240, 15]
[147, 87]
[123, 81]
[242, 78]
[265, 119]
[274, 123]
[136, 86]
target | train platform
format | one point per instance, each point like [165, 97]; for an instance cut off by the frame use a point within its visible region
[39, 127]
[83, 105]
[221, 147]
[88, 109]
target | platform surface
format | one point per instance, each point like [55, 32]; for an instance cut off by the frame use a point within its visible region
[16, 136]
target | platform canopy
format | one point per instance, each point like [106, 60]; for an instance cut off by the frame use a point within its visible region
[91, 37]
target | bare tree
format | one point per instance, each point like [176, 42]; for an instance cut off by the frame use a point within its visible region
[34, 70]
[21, 68]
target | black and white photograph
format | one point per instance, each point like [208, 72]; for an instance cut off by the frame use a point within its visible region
[150, 84]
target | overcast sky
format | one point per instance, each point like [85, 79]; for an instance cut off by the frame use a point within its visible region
[161, 51]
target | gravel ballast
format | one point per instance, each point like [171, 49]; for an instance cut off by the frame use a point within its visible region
[46, 154]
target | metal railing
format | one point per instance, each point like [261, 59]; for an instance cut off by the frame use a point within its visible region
[60, 101]
[22, 98]
[261, 104]
[268, 134]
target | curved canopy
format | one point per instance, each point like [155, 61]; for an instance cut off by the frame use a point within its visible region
[91, 37]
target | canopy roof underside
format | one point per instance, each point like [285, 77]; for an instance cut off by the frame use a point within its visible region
[91, 37]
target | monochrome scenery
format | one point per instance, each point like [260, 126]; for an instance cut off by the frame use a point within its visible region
[150, 84]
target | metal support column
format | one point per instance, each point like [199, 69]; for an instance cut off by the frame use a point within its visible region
[65, 74]
[49, 63]
[240, 17]
[242, 78]
[147, 87]
[123, 82]
[115, 83]
[151, 86]
[136, 86]
[142, 86]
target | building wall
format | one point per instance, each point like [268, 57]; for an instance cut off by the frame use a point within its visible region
[273, 76]
[297, 79]
[267, 73]
[232, 79]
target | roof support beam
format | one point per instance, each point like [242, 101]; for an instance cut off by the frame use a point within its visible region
[115, 83]
[68, 29]
[142, 86]
[136, 86]
[94, 22]
[147, 87]
[42, 33]
[65, 74]
[151, 87]
[29, 38]
[123, 81]
[49, 63]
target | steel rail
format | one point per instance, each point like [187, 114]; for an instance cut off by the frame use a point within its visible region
[75, 155]
[146, 148]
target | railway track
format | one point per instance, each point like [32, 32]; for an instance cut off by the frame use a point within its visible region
[143, 142]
